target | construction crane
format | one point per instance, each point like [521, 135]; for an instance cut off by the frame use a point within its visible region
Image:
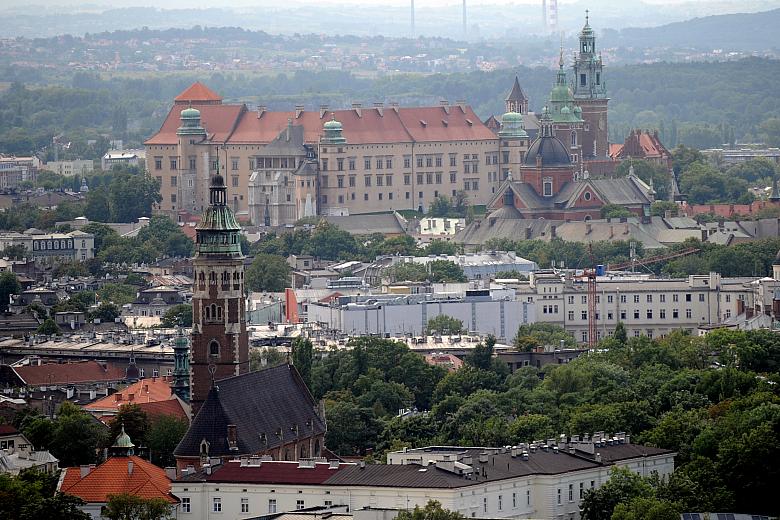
[589, 275]
[641, 262]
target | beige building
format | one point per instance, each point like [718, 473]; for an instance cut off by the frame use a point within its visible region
[282, 166]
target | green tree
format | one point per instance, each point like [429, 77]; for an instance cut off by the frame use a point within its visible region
[431, 511]
[481, 356]
[444, 325]
[542, 334]
[135, 422]
[644, 508]
[770, 131]
[615, 211]
[117, 293]
[30, 496]
[48, 328]
[302, 354]
[648, 172]
[351, 428]
[660, 207]
[623, 486]
[260, 358]
[132, 196]
[126, 506]
[620, 335]
[106, 312]
[9, 284]
[76, 437]
[440, 207]
[268, 273]
[753, 170]
[178, 316]
[15, 252]
[164, 434]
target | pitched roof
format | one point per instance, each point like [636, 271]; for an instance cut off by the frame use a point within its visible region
[8, 429]
[269, 472]
[516, 94]
[271, 402]
[640, 143]
[142, 391]
[170, 407]
[197, 92]
[63, 373]
[219, 121]
[114, 476]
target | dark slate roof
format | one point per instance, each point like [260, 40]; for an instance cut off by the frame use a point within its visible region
[266, 402]
[516, 94]
[286, 145]
[552, 151]
[622, 191]
[365, 224]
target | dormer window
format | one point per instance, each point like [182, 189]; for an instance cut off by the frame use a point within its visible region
[547, 187]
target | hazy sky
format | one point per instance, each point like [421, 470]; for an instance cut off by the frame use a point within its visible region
[235, 3]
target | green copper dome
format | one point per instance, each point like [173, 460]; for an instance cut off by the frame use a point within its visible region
[218, 232]
[332, 132]
[512, 126]
[123, 440]
[190, 123]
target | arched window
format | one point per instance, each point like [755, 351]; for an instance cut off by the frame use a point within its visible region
[212, 278]
[573, 138]
[317, 448]
[213, 348]
[303, 452]
[208, 312]
[219, 313]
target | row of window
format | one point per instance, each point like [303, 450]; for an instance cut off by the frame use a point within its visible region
[636, 298]
[389, 196]
[553, 309]
[216, 505]
[42, 245]
[501, 501]
[571, 492]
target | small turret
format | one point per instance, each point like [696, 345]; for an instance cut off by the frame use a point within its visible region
[123, 446]
[512, 126]
[190, 123]
[333, 132]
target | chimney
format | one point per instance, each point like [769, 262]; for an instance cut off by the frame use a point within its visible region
[129, 467]
[380, 108]
[625, 231]
[170, 472]
[461, 103]
[445, 105]
[261, 110]
[611, 231]
[394, 106]
[298, 111]
[358, 108]
[553, 231]
[323, 110]
[598, 458]
[84, 470]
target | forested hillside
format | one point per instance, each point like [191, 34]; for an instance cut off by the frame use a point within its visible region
[697, 104]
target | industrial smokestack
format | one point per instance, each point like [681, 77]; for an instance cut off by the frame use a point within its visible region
[414, 34]
[465, 30]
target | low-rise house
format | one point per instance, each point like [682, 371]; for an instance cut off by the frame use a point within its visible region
[153, 395]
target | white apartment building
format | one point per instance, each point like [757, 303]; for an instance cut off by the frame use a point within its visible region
[483, 311]
[70, 168]
[648, 306]
[76, 245]
[547, 479]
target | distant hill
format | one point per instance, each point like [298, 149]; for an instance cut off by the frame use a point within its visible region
[738, 32]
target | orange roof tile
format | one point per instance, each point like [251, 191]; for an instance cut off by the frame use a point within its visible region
[143, 391]
[171, 407]
[113, 477]
[615, 149]
[218, 120]
[62, 373]
[197, 92]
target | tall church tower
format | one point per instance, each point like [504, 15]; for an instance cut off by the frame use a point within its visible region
[590, 94]
[220, 346]
[181, 367]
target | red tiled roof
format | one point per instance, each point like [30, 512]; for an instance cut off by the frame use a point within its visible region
[171, 408]
[8, 429]
[113, 477]
[273, 472]
[236, 125]
[198, 92]
[61, 373]
[642, 144]
[143, 391]
[218, 120]
[615, 149]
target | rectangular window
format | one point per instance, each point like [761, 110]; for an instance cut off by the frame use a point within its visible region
[584, 300]
[662, 314]
[251, 163]
[234, 164]
[688, 313]
[438, 162]
[299, 504]
[687, 297]
[388, 163]
[438, 178]
[636, 314]
[407, 163]
[571, 315]
[453, 177]
[428, 178]
[528, 497]
[453, 160]
[571, 492]
[467, 168]
[367, 181]
[584, 315]
[388, 180]
[701, 297]
[582, 490]
[649, 298]
[419, 162]
[379, 164]
[429, 162]
[272, 505]
[484, 504]
[324, 165]
[324, 181]
[367, 164]
[662, 298]
[500, 503]
[636, 298]
[340, 181]
[419, 178]
[622, 298]
[244, 505]
[675, 313]
[559, 489]
[675, 297]
[174, 163]
[216, 505]
[380, 180]
[609, 298]
[407, 180]
[234, 181]
[649, 314]
[340, 164]
[351, 181]
[158, 163]
[351, 164]
[186, 507]
[514, 499]
[571, 300]
[173, 182]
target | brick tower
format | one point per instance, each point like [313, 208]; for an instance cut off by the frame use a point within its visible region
[590, 93]
[220, 346]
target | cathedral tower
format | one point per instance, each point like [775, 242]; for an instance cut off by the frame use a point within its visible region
[590, 94]
[181, 367]
[220, 346]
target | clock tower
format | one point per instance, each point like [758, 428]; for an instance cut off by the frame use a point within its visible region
[220, 346]
[590, 93]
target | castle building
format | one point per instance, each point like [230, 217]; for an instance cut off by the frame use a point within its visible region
[548, 185]
[220, 346]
